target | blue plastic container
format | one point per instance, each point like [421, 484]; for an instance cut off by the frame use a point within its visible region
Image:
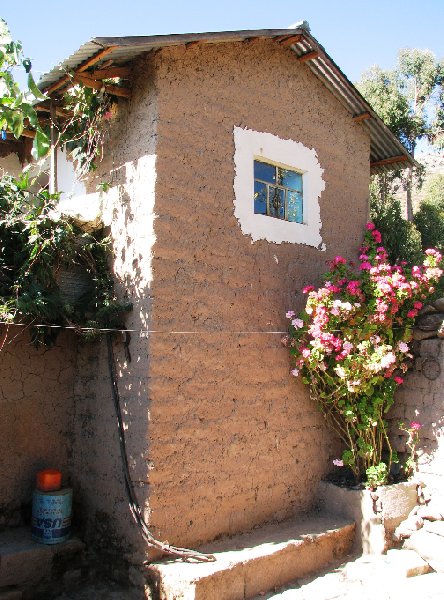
[51, 516]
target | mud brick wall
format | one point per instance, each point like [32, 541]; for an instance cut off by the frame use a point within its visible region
[234, 440]
[421, 399]
[99, 488]
[36, 405]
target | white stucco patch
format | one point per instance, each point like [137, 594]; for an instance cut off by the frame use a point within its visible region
[67, 182]
[250, 145]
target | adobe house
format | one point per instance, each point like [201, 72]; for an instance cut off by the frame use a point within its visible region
[239, 163]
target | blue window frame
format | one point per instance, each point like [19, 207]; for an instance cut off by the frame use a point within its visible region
[278, 192]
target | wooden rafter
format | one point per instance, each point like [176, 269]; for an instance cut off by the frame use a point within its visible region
[59, 111]
[361, 117]
[288, 40]
[94, 59]
[308, 56]
[114, 90]
[122, 72]
[389, 161]
[88, 63]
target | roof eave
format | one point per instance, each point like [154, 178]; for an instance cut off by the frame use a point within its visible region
[387, 152]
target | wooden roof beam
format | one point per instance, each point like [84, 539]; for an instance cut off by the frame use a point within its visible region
[361, 117]
[88, 63]
[308, 56]
[389, 161]
[114, 90]
[288, 41]
[122, 72]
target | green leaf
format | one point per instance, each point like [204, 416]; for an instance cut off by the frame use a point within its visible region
[41, 144]
[34, 89]
[16, 124]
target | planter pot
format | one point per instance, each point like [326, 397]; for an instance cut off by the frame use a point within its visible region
[376, 513]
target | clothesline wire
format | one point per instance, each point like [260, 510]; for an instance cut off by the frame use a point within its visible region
[140, 331]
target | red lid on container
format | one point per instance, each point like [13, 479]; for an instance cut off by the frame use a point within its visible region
[49, 480]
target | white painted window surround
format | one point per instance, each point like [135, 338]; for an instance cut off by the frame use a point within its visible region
[251, 145]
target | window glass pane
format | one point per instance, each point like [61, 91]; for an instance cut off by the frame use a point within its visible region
[290, 179]
[295, 213]
[260, 198]
[264, 172]
[276, 202]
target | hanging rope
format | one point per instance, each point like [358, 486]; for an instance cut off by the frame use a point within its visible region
[136, 511]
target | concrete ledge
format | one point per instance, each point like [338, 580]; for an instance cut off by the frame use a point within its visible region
[27, 564]
[377, 514]
[257, 561]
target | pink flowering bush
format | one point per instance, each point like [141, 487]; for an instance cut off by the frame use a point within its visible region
[351, 346]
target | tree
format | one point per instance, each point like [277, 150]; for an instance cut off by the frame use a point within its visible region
[16, 107]
[406, 100]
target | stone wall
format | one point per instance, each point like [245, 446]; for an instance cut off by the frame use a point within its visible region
[234, 440]
[36, 423]
[420, 399]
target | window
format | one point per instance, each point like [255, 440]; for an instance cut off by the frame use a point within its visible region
[277, 188]
[277, 192]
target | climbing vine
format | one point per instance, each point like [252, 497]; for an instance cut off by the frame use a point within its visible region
[39, 246]
[52, 273]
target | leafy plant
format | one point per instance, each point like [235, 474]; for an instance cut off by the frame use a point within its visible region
[16, 107]
[36, 245]
[83, 132]
[402, 240]
[377, 475]
[409, 99]
[412, 432]
[350, 346]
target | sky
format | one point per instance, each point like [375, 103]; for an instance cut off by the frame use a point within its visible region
[356, 34]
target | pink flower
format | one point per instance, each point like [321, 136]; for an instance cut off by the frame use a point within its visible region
[307, 289]
[412, 314]
[305, 352]
[370, 226]
[297, 323]
[365, 266]
[290, 314]
[295, 372]
[415, 425]
[398, 380]
[417, 305]
[338, 462]
[388, 360]
[108, 115]
[403, 347]
[377, 236]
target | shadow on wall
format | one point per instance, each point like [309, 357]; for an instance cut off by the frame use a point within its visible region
[419, 399]
[96, 460]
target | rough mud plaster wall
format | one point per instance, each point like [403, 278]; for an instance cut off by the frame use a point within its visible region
[36, 405]
[129, 166]
[421, 399]
[11, 164]
[234, 441]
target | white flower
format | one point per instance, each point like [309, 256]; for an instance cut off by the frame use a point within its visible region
[341, 372]
[295, 372]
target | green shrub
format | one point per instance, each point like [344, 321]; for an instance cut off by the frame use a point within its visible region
[402, 239]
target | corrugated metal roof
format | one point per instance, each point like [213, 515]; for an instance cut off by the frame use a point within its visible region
[384, 146]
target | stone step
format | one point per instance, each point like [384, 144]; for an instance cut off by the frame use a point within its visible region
[27, 565]
[256, 562]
